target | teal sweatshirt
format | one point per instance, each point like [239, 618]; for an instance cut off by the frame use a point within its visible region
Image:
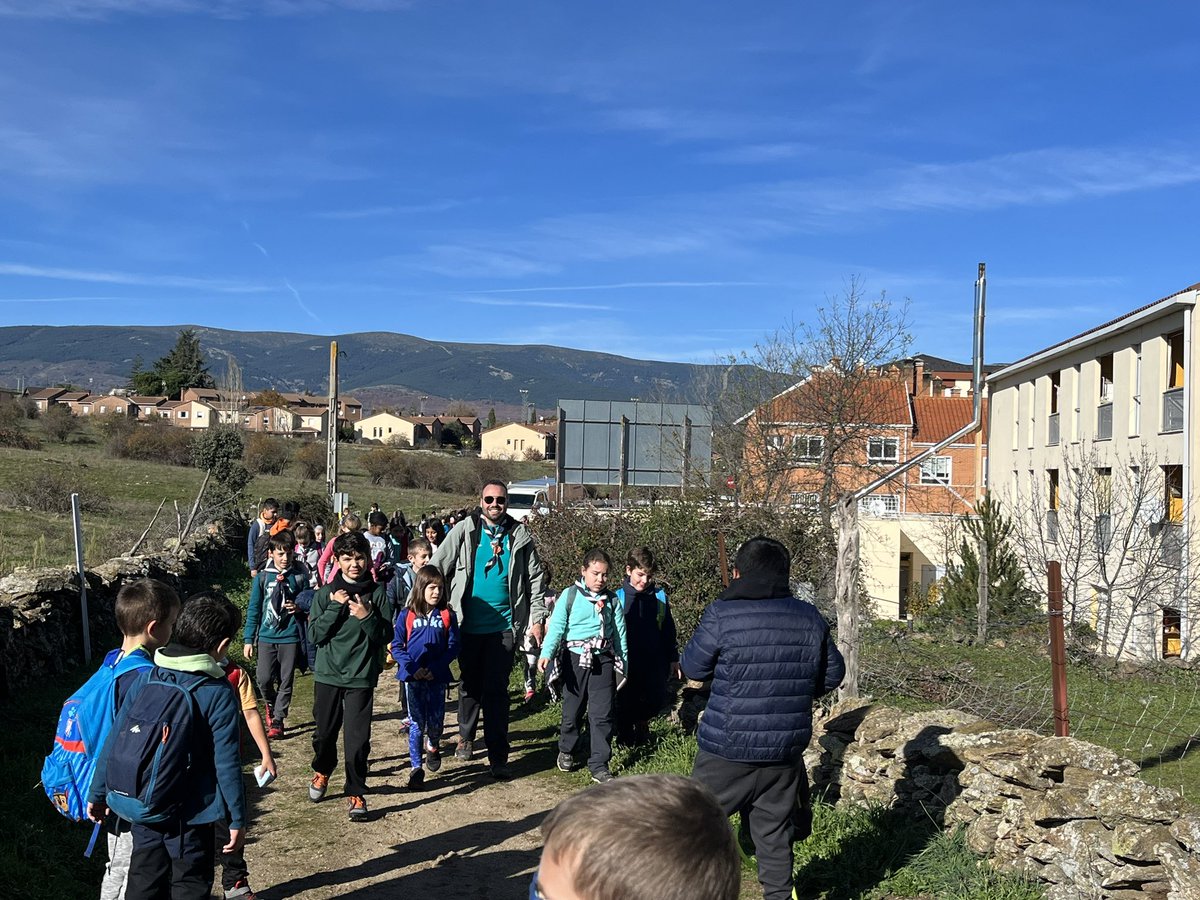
[585, 622]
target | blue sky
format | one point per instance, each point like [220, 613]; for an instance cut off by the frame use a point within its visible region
[666, 180]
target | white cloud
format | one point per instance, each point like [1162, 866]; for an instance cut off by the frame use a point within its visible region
[375, 212]
[225, 286]
[540, 304]
[625, 285]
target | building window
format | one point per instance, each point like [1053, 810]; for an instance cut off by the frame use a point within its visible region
[883, 450]
[1106, 378]
[810, 448]
[1175, 360]
[805, 500]
[183, 413]
[936, 470]
[880, 504]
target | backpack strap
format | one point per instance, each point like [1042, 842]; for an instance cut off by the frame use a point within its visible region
[131, 662]
[446, 621]
[661, 612]
[410, 616]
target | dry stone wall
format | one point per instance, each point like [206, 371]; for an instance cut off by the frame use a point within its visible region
[41, 628]
[1066, 813]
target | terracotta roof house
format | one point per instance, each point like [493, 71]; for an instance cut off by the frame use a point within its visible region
[146, 405]
[519, 441]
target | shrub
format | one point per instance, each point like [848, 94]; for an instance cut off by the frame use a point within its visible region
[50, 489]
[11, 414]
[381, 464]
[17, 439]
[311, 460]
[110, 425]
[267, 455]
[314, 507]
[153, 441]
[400, 441]
[59, 423]
[219, 451]
[533, 454]
[489, 470]
[683, 536]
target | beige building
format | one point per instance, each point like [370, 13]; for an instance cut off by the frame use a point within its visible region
[515, 441]
[1092, 455]
[386, 428]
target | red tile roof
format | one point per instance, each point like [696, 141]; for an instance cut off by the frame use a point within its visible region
[939, 417]
[876, 400]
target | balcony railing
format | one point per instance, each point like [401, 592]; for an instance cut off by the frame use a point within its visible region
[1052, 431]
[1104, 422]
[1172, 410]
[1052, 526]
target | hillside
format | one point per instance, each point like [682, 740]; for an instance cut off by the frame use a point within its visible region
[380, 367]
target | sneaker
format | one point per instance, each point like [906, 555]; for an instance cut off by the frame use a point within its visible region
[276, 729]
[270, 722]
[318, 786]
[602, 777]
[357, 809]
[433, 756]
[240, 891]
[500, 773]
[464, 750]
[528, 694]
[405, 724]
[566, 763]
[416, 779]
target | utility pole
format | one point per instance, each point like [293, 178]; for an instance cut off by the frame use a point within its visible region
[332, 446]
[982, 624]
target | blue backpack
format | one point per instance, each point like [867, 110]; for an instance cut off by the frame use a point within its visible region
[149, 763]
[83, 726]
[661, 613]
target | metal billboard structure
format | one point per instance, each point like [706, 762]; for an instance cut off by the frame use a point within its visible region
[633, 443]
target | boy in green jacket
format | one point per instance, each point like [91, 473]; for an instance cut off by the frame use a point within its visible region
[351, 624]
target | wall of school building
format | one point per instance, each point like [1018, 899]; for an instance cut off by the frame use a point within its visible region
[898, 552]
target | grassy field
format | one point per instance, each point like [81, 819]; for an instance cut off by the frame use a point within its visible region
[127, 492]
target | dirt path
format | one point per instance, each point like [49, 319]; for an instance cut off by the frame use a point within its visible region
[464, 836]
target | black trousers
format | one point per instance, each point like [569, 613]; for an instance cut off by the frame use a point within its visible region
[233, 865]
[171, 862]
[594, 689]
[334, 709]
[277, 666]
[485, 661]
[766, 795]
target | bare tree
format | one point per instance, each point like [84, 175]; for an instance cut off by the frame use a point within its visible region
[1113, 527]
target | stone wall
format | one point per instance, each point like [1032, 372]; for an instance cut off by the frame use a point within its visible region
[1066, 813]
[40, 624]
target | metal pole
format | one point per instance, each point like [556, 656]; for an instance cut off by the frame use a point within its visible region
[846, 593]
[623, 474]
[77, 522]
[331, 462]
[685, 468]
[982, 625]
[1058, 649]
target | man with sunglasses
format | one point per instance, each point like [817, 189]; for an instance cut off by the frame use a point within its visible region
[496, 588]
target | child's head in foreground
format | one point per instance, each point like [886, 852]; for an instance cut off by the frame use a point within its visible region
[620, 841]
[208, 623]
[147, 609]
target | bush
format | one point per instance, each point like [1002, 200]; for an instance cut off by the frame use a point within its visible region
[311, 460]
[380, 464]
[17, 439]
[50, 490]
[683, 537]
[219, 451]
[111, 425]
[59, 423]
[267, 455]
[533, 454]
[399, 441]
[11, 414]
[153, 441]
[484, 470]
[314, 507]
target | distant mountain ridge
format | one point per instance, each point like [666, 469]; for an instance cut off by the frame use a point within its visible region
[380, 368]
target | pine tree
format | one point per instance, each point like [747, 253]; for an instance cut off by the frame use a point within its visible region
[491, 419]
[182, 368]
[1008, 594]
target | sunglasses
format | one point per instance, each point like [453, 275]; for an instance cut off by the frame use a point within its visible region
[498, 501]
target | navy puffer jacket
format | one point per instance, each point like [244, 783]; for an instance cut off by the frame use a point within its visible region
[770, 657]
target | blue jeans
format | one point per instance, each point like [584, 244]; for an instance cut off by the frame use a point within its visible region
[427, 710]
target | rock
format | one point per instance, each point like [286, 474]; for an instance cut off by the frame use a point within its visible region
[1119, 800]
[1186, 830]
[1136, 842]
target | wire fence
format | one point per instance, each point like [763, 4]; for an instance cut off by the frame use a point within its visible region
[1147, 712]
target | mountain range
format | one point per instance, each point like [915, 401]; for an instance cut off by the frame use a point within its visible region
[381, 369]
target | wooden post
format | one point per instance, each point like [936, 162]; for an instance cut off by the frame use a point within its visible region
[845, 600]
[723, 557]
[982, 624]
[1058, 649]
[331, 449]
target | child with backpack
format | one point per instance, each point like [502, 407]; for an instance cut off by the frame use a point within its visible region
[171, 766]
[653, 651]
[424, 643]
[587, 620]
[398, 590]
[146, 611]
[273, 626]
[351, 623]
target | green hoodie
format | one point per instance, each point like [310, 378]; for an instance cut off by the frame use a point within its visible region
[349, 650]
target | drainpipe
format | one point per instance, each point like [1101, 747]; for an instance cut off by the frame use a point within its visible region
[1185, 624]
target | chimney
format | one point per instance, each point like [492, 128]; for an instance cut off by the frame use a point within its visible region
[918, 375]
[835, 362]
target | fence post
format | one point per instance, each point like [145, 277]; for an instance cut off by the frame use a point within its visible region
[982, 623]
[1058, 649]
[77, 522]
[845, 599]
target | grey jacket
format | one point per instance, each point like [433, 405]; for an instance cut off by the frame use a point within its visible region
[455, 557]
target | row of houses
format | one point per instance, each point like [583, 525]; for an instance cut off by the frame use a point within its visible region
[299, 415]
[511, 441]
[1087, 444]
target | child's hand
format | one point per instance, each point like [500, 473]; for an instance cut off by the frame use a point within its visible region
[237, 837]
[289, 605]
[360, 609]
[543, 663]
[339, 597]
[96, 812]
[248, 651]
[268, 764]
[423, 674]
